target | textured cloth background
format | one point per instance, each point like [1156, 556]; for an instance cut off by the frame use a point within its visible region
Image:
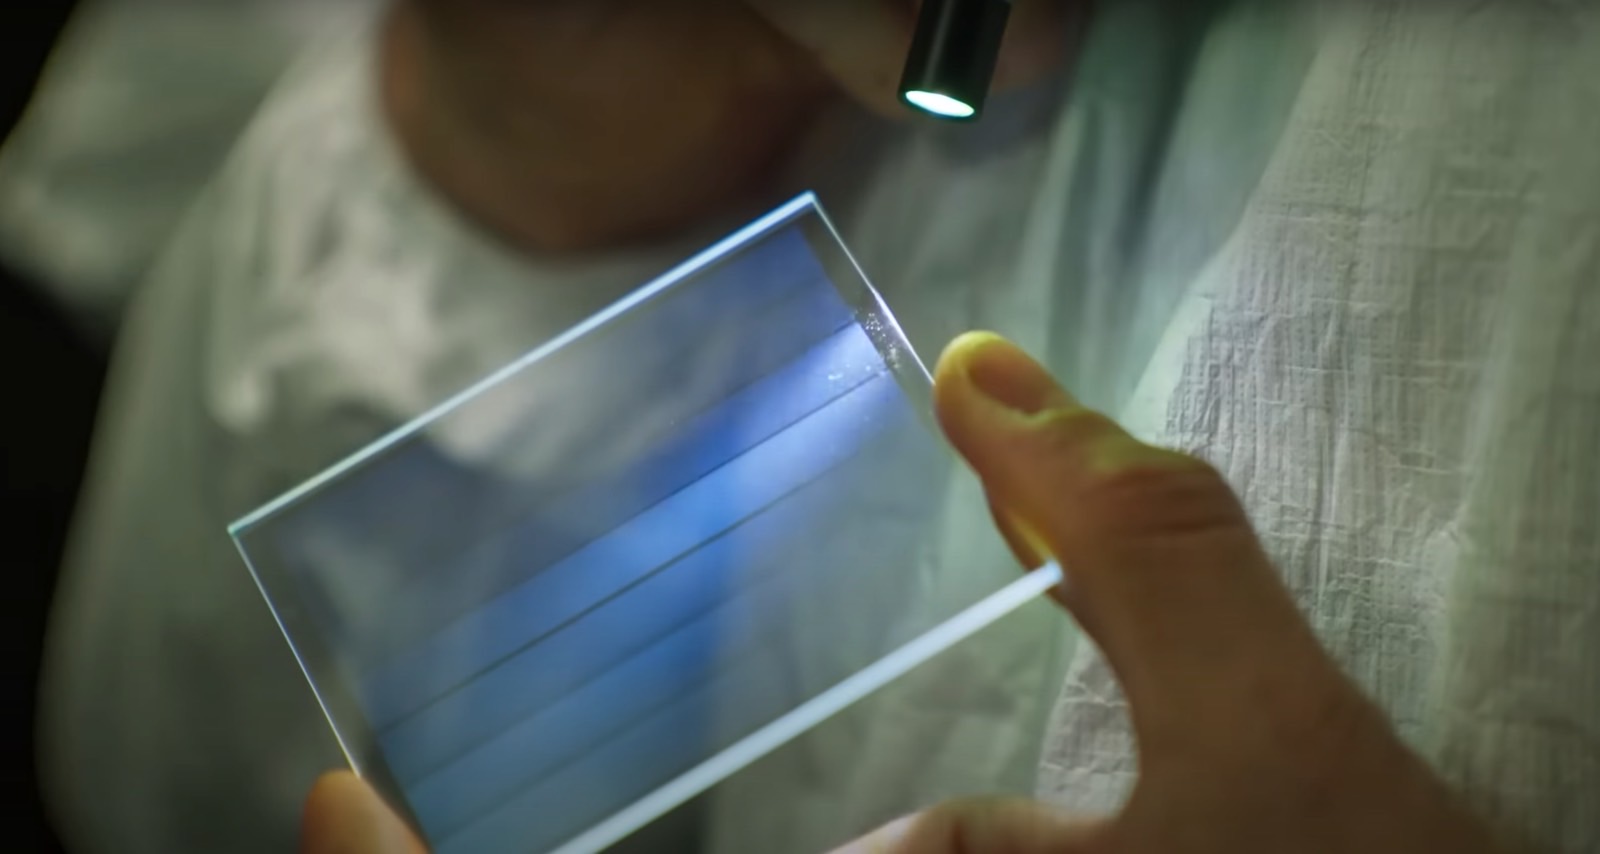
[1396, 361]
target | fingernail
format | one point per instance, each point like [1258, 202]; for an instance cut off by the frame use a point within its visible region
[1001, 372]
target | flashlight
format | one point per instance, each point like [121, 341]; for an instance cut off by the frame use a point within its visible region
[953, 56]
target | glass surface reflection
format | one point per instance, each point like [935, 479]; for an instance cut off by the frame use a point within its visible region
[617, 571]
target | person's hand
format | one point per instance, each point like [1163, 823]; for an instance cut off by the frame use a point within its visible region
[567, 125]
[1250, 738]
[343, 815]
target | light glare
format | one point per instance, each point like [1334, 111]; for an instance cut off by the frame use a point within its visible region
[940, 105]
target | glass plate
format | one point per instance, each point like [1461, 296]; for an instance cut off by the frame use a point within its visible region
[644, 555]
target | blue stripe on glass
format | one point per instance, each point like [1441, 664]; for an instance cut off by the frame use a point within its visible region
[586, 717]
[710, 506]
[400, 686]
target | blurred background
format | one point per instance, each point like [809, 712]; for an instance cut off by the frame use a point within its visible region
[113, 114]
[1390, 187]
[51, 371]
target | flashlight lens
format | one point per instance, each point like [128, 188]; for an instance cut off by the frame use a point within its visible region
[939, 105]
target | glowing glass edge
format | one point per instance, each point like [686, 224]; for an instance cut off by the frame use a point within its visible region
[798, 720]
[816, 710]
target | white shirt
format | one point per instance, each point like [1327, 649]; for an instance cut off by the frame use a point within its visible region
[317, 296]
[1392, 359]
[135, 111]
[1354, 286]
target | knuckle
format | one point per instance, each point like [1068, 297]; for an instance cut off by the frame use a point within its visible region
[1167, 501]
[1166, 492]
[1069, 433]
[1118, 485]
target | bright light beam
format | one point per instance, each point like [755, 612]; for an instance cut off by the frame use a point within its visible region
[939, 105]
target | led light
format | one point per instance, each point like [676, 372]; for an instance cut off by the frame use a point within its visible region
[953, 56]
[940, 105]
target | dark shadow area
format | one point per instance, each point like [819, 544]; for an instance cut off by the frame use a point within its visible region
[51, 378]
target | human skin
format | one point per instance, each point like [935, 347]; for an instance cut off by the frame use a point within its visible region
[528, 116]
[1250, 738]
[579, 125]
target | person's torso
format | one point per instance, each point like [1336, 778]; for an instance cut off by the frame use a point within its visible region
[1392, 361]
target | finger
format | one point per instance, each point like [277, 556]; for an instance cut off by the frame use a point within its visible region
[1023, 546]
[1162, 568]
[979, 826]
[343, 815]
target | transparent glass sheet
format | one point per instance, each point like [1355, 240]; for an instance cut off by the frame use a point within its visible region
[622, 568]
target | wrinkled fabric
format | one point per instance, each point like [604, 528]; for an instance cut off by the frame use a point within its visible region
[1393, 360]
[138, 106]
[316, 297]
[1346, 254]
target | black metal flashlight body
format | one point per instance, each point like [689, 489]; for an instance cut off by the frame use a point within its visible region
[953, 56]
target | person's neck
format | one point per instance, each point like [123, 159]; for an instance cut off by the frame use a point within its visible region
[549, 171]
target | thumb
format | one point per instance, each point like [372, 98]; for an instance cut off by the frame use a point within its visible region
[984, 826]
[343, 815]
[1162, 569]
